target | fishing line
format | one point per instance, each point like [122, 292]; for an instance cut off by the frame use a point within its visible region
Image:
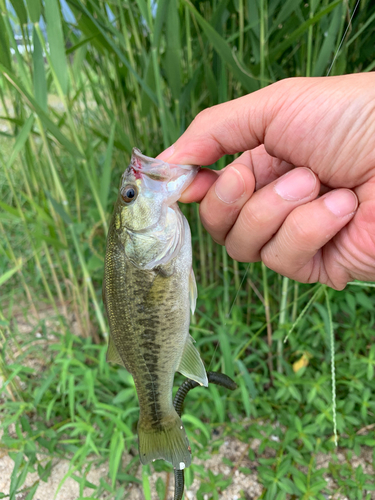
[248, 267]
[213, 355]
[333, 373]
[329, 70]
[343, 37]
[239, 289]
[230, 310]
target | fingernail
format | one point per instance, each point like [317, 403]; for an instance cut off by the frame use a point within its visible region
[167, 153]
[230, 186]
[296, 185]
[342, 202]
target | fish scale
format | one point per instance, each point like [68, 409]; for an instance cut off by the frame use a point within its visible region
[148, 288]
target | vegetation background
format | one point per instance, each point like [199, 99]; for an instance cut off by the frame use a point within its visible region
[82, 82]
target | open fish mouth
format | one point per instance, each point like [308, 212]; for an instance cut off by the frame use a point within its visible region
[175, 178]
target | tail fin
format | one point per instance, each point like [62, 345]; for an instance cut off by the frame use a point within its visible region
[168, 441]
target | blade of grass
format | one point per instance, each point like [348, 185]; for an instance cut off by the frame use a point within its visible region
[39, 75]
[8, 274]
[304, 310]
[5, 59]
[292, 37]
[56, 42]
[116, 449]
[20, 9]
[21, 140]
[106, 172]
[326, 51]
[146, 482]
[283, 303]
[224, 51]
[35, 10]
[268, 319]
[34, 106]
[173, 49]
[333, 371]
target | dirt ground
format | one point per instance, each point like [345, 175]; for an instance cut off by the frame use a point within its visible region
[232, 449]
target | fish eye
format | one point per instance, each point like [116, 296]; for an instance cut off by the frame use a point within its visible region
[129, 193]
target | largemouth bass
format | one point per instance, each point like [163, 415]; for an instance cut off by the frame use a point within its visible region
[148, 289]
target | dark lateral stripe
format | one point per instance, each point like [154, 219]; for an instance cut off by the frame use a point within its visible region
[154, 412]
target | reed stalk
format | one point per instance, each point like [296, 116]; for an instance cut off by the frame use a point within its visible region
[268, 320]
[282, 319]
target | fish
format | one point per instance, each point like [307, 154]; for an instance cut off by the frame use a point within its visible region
[149, 289]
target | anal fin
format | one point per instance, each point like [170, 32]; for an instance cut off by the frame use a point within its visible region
[191, 364]
[113, 355]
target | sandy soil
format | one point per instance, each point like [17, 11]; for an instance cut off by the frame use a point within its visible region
[243, 486]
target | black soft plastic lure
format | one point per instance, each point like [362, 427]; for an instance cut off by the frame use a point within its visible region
[213, 378]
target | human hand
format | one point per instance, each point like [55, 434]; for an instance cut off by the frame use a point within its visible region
[300, 138]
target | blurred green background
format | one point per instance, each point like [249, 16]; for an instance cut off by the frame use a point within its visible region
[81, 83]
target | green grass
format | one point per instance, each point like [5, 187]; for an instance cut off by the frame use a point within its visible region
[72, 121]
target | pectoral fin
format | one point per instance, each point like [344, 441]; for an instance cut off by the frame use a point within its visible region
[191, 364]
[193, 292]
[113, 355]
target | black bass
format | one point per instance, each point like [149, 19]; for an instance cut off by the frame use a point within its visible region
[148, 289]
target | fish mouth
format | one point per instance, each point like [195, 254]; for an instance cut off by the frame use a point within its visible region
[175, 178]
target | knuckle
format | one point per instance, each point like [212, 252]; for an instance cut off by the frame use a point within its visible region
[221, 219]
[202, 117]
[232, 251]
[299, 233]
[253, 217]
[209, 221]
[218, 241]
[240, 252]
[272, 261]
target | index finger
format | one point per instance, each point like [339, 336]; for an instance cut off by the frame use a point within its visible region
[295, 119]
[213, 133]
